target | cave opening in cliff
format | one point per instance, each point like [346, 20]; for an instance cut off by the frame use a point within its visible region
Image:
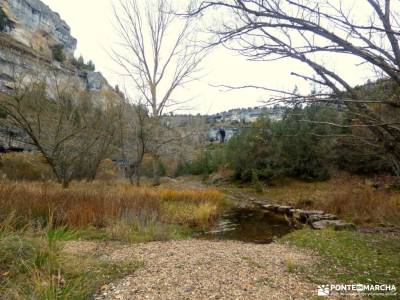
[5, 23]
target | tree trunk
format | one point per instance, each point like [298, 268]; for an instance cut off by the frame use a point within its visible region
[130, 172]
[65, 184]
[138, 174]
[156, 171]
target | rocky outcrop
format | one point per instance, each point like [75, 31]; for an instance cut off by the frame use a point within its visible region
[30, 31]
[29, 34]
[35, 25]
[13, 140]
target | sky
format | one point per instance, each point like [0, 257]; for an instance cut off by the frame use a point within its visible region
[91, 22]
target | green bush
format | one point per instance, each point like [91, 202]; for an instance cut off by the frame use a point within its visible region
[207, 162]
[290, 147]
[81, 65]
[255, 182]
[90, 66]
[3, 114]
[305, 145]
[58, 53]
[255, 149]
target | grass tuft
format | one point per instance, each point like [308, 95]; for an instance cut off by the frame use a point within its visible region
[33, 267]
[352, 257]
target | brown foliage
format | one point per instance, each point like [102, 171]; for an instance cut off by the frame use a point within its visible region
[354, 198]
[86, 204]
[24, 166]
[365, 206]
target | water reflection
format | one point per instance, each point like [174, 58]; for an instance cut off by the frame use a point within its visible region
[249, 225]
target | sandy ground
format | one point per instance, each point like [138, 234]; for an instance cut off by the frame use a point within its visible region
[196, 269]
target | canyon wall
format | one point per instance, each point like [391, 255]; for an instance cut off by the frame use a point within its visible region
[35, 43]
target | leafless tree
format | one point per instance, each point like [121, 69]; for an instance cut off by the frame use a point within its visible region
[313, 31]
[135, 138]
[160, 53]
[71, 130]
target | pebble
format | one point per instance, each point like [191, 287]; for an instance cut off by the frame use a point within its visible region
[198, 269]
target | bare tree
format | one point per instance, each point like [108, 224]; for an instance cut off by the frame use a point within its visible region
[70, 130]
[135, 139]
[160, 53]
[311, 31]
[103, 128]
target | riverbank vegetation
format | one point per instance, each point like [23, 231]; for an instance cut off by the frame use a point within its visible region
[33, 265]
[362, 200]
[116, 209]
[37, 217]
[305, 161]
[351, 257]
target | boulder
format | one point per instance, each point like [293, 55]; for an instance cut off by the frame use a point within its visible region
[259, 203]
[315, 218]
[284, 209]
[303, 215]
[269, 207]
[274, 207]
[308, 213]
[335, 224]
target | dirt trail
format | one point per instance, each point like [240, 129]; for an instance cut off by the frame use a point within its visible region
[195, 269]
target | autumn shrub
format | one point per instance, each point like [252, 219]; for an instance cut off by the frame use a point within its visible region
[107, 170]
[351, 197]
[365, 206]
[144, 229]
[191, 195]
[24, 166]
[95, 204]
[190, 214]
[147, 166]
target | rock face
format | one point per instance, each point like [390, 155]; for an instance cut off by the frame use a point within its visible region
[29, 34]
[13, 140]
[34, 24]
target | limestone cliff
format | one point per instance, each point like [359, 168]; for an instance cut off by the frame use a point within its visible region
[29, 33]
[35, 41]
[34, 24]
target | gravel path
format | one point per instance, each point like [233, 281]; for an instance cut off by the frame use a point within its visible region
[195, 269]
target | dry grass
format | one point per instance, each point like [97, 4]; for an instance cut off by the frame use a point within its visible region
[32, 266]
[363, 206]
[100, 204]
[24, 166]
[349, 196]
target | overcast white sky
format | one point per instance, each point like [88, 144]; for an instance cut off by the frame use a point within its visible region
[91, 23]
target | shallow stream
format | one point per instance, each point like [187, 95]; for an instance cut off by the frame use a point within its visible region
[249, 225]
